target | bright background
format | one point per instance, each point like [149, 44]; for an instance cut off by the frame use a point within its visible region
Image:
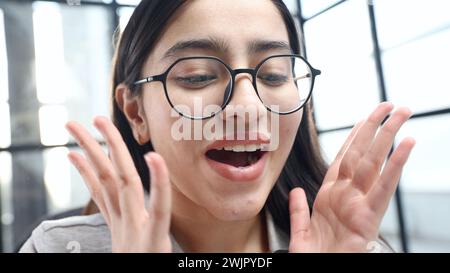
[368, 51]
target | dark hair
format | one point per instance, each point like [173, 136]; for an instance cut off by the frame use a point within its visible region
[304, 167]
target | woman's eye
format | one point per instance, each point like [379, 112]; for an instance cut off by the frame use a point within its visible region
[195, 81]
[273, 79]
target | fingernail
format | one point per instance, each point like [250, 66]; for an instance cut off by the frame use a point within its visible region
[67, 126]
[413, 140]
[148, 158]
[410, 113]
[72, 160]
[94, 122]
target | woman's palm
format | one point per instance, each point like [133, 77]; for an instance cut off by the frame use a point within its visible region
[355, 193]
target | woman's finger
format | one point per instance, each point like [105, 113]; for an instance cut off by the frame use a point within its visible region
[91, 181]
[334, 166]
[381, 192]
[299, 216]
[349, 140]
[93, 150]
[100, 163]
[119, 153]
[362, 140]
[370, 165]
[131, 193]
[160, 204]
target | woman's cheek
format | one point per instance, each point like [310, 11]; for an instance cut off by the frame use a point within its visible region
[167, 139]
[289, 125]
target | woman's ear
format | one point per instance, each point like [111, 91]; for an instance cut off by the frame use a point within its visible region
[132, 107]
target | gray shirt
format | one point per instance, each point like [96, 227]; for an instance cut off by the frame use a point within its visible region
[91, 234]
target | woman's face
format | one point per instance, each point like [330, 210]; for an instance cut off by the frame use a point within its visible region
[229, 185]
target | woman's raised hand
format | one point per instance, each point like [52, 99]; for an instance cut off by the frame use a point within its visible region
[116, 188]
[356, 190]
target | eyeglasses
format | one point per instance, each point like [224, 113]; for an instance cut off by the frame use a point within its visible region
[202, 86]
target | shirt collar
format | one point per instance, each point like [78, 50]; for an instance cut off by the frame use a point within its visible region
[278, 240]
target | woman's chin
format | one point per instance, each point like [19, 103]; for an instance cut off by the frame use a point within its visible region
[238, 210]
[236, 203]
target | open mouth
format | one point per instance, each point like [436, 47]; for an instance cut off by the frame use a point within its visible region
[237, 156]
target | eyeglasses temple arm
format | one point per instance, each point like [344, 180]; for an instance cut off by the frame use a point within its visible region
[302, 77]
[149, 79]
[316, 72]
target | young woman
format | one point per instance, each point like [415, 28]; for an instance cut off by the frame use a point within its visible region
[266, 191]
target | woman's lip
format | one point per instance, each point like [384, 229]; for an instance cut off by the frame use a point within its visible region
[239, 174]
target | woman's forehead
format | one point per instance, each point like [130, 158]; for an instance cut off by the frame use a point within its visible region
[236, 24]
[215, 10]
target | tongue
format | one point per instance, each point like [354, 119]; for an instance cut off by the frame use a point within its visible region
[235, 159]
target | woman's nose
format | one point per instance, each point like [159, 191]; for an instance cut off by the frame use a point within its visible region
[244, 102]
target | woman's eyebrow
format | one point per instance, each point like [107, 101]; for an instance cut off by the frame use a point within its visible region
[259, 46]
[212, 44]
[220, 45]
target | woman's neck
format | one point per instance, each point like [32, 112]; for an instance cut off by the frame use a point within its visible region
[196, 230]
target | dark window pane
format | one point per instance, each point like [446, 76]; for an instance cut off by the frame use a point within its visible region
[3, 62]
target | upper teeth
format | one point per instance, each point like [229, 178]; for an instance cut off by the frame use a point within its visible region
[242, 148]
